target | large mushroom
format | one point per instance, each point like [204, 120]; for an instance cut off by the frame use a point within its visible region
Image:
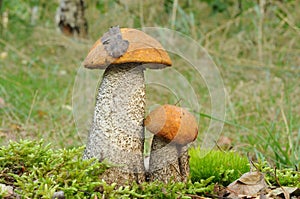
[117, 131]
[173, 128]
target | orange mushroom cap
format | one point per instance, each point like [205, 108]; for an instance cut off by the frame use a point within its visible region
[142, 49]
[173, 123]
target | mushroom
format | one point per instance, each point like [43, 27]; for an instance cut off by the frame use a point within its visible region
[173, 128]
[117, 131]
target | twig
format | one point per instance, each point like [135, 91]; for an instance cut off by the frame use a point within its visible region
[142, 13]
[286, 194]
[31, 107]
[285, 120]
[193, 196]
[285, 19]
[215, 196]
[174, 11]
[216, 142]
[178, 101]
[260, 29]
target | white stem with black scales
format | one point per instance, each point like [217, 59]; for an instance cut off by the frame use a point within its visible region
[117, 132]
[169, 162]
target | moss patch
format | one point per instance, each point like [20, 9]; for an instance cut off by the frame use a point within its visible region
[224, 166]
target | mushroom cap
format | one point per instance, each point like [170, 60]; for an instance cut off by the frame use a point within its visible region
[142, 49]
[172, 123]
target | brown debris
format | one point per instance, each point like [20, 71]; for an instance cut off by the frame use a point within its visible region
[249, 184]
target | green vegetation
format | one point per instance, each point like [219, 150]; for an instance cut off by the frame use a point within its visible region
[38, 171]
[226, 167]
[280, 177]
[256, 48]
[257, 54]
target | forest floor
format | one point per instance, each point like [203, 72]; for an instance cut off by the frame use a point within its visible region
[256, 49]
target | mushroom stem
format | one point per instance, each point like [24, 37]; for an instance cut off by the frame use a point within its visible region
[117, 133]
[183, 161]
[168, 161]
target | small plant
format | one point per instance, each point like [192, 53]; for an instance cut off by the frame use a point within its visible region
[36, 170]
[224, 166]
[280, 177]
[280, 148]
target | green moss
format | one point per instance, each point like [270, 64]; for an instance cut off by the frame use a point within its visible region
[285, 177]
[37, 171]
[224, 166]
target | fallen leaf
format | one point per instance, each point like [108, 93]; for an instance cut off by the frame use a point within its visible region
[15, 127]
[62, 72]
[224, 142]
[2, 103]
[41, 113]
[249, 184]
[292, 191]
[3, 55]
[67, 107]
[251, 178]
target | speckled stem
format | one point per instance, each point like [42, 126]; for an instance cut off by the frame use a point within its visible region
[184, 162]
[117, 133]
[168, 161]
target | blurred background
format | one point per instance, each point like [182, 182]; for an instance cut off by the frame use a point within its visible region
[255, 44]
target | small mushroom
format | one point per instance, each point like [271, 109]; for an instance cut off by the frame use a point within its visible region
[173, 128]
[117, 131]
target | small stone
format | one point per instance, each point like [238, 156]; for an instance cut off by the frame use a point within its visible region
[58, 195]
[7, 189]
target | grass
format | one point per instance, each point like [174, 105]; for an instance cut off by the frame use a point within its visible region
[256, 50]
[283, 177]
[226, 167]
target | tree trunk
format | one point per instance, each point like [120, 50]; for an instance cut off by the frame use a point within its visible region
[117, 132]
[168, 161]
[70, 18]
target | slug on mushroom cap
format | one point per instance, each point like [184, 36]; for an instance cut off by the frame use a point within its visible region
[142, 49]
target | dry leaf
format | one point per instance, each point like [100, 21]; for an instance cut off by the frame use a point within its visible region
[15, 127]
[3, 55]
[2, 103]
[224, 142]
[249, 184]
[41, 113]
[292, 191]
